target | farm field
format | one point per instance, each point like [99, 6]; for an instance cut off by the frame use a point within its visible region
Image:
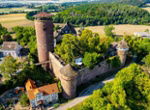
[7, 10]
[147, 8]
[124, 29]
[12, 20]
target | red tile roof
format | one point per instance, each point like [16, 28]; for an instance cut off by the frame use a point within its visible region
[46, 90]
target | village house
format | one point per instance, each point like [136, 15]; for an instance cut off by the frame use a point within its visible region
[41, 95]
[142, 34]
[66, 29]
[10, 48]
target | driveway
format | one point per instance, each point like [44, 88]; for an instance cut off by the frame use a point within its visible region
[84, 94]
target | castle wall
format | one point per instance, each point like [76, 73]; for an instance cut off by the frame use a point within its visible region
[87, 74]
[55, 65]
[70, 84]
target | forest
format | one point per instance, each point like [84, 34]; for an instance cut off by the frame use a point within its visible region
[96, 14]
[130, 2]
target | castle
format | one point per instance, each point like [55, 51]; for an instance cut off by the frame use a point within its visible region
[69, 78]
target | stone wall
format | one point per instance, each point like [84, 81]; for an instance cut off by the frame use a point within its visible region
[87, 74]
[55, 64]
[69, 84]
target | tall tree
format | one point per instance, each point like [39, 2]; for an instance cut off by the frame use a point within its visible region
[109, 31]
[9, 67]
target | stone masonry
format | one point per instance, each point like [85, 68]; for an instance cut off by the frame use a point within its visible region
[44, 33]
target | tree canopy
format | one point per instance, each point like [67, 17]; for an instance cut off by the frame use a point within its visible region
[109, 31]
[24, 101]
[4, 34]
[128, 91]
[91, 59]
[138, 46]
[9, 67]
[26, 37]
[87, 45]
[103, 14]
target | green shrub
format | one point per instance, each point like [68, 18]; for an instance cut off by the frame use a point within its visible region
[59, 86]
[91, 59]
[109, 31]
[24, 101]
[1, 107]
[114, 61]
[147, 60]
[56, 105]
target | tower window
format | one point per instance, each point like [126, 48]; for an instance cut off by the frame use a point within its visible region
[44, 28]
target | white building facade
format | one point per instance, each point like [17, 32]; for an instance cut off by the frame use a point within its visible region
[43, 95]
[44, 99]
[10, 49]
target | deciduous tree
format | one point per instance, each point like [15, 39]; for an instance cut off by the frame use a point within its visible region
[9, 67]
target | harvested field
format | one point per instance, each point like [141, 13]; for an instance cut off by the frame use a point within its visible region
[147, 8]
[21, 9]
[125, 29]
[12, 20]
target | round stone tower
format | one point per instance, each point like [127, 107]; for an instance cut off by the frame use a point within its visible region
[44, 34]
[69, 81]
[122, 50]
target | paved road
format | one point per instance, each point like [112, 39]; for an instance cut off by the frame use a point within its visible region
[84, 94]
